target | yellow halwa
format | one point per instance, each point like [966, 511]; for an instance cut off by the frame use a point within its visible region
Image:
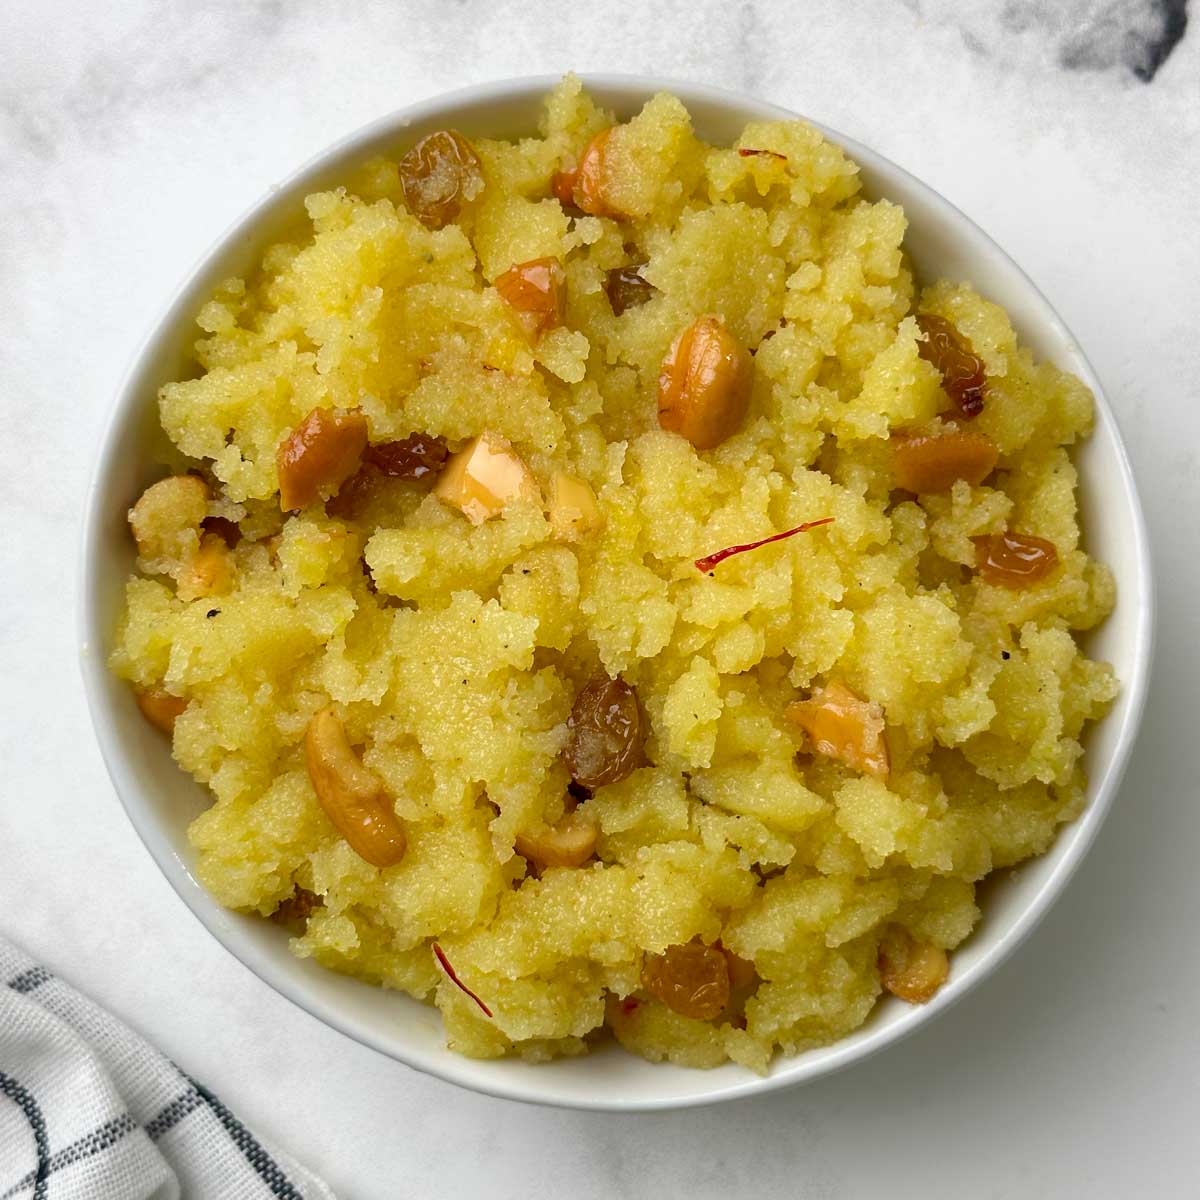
[452, 651]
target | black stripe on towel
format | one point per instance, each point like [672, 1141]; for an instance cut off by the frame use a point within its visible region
[267, 1169]
[27, 981]
[106, 1136]
[33, 1114]
[173, 1113]
[103, 1138]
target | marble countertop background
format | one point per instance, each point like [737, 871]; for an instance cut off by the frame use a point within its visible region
[133, 131]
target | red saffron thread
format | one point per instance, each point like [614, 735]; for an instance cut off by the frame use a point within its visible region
[707, 563]
[746, 152]
[629, 1005]
[454, 979]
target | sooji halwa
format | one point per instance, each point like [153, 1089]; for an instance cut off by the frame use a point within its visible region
[601, 590]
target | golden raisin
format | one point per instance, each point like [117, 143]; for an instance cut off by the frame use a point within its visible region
[626, 288]
[414, 459]
[294, 910]
[842, 725]
[352, 796]
[692, 980]
[356, 493]
[537, 294]
[743, 983]
[160, 707]
[323, 451]
[935, 462]
[607, 733]
[228, 531]
[911, 969]
[563, 187]
[1014, 560]
[438, 176]
[743, 977]
[418, 456]
[963, 376]
[704, 384]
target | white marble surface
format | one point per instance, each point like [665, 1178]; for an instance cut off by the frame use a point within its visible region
[132, 132]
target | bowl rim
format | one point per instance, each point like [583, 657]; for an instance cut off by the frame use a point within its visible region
[463, 1071]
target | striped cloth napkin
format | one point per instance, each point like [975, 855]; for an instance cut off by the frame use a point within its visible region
[88, 1109]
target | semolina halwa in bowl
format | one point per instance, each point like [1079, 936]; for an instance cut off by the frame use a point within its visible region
[614, 589]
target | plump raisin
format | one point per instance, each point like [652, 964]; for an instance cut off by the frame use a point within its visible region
[536, 292]
[626, 288]
[962, 372]
[355, 494]
[607, 733]
[438, 176]
[743, 977]
[295, 910]
[743, 983]
[415, 459]
[1014, 560]
[692, 980]
[224, 528]
[418, 456]
[563, 187]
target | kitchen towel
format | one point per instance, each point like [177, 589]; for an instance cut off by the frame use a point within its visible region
[88, 1109]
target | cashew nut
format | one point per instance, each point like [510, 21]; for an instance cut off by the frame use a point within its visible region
[167, 515]
[207, 572]
[704, 385]
[570, 843]
[842, 725]
[352, 796]
[322, 452]
[160, 707]
[910, 969]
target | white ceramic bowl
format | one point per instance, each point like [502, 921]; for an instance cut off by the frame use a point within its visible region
[161, 799]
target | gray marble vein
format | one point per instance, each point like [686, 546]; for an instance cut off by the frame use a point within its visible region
[1133, 36]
